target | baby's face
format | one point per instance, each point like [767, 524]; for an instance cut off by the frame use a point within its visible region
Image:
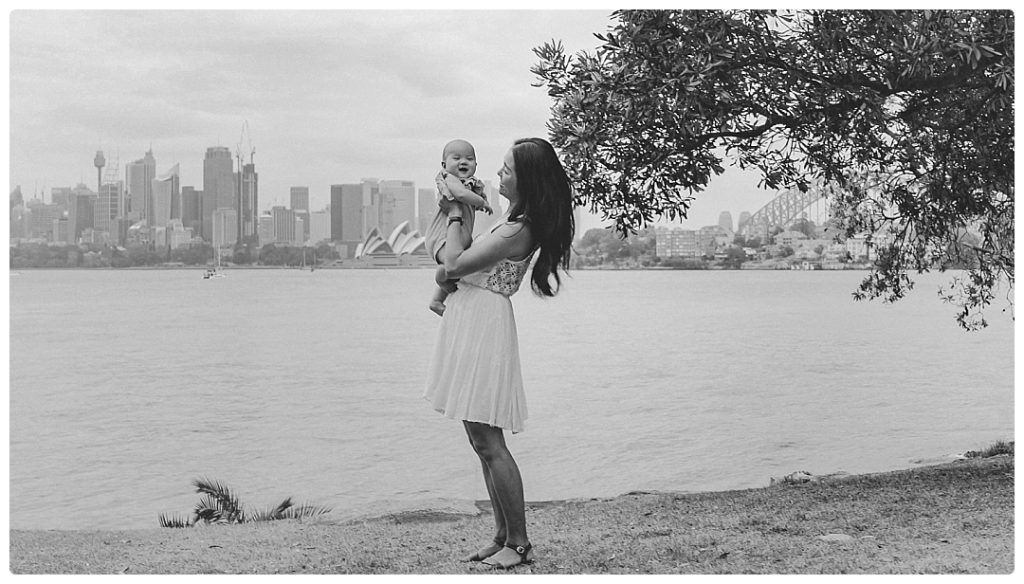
[460, 160]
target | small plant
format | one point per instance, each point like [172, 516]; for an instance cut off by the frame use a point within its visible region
[1000, 447]
[220, 505]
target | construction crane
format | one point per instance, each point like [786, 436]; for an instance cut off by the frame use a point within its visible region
[247, 138]
[246, 187]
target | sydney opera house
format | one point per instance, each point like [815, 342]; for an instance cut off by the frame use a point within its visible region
[404, 246]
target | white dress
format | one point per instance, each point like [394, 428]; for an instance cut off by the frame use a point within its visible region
[475, 374]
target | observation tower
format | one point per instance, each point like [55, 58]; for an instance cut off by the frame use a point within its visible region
[99, 162]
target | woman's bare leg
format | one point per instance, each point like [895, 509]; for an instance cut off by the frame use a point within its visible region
[499, 515]
[507, 484]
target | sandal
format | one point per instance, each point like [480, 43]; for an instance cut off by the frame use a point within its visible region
[525, 553]
[479, 556]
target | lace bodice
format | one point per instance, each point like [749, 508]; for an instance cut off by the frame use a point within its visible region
[503, 278]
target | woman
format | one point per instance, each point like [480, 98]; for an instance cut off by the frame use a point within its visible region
[475, 375]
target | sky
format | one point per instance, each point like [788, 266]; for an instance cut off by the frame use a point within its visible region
[329, 97]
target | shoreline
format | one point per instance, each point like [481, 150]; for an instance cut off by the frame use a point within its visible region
[954, 517]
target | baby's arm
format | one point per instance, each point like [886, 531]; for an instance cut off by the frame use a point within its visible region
[464, 195]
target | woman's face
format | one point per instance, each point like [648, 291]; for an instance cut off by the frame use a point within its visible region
[507, 178]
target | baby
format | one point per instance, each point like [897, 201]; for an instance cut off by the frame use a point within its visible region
[456, 183]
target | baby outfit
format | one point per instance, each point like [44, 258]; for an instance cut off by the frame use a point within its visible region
[438, 231]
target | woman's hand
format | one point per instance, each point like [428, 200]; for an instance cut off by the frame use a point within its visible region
[441, 277]
[450, 208]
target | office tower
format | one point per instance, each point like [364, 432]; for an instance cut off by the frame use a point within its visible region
[178, 235]
[725, 221]
[17, 199]
[60, 196]
[80, 214]
[218, 187]
[224, 228]
[371, 206]
[192, 209]
[166, 198]
[266, 228]
[60, 233]
[319, 227]
[300, 205]
[744, 219]
[299, 198]
[426, 208]
[337, 210]
[676, 242]
[347, 211]
[284, 224]
[41, 219]
[397, 204]
[298, 229]
[248, 219]
[139, 177]
[108, 206]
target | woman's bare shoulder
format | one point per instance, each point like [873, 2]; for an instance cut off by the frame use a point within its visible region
[518, 236]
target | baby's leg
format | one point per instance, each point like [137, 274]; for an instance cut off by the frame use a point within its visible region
[440, 294]
[437, 302]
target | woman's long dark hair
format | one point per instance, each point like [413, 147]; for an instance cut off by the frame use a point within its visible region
[545, 204]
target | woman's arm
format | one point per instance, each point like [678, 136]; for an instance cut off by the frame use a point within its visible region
[507, 241]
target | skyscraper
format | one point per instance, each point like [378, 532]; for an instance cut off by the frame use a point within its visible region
[218, 187]
[347, 210]
[266, 228]
[248, 218]
[371, 206]
[284, 224]
[426, 208]
[108, 206]
[166, 198]
[725, 221]
[299, 198]
[319, 227]
[744, 219]
[80, 213]
[139, 180]
[192, 209]
[224, 225]
[300, 206]
[397, 204]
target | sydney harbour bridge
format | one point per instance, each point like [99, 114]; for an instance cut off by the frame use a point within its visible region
[787, 207]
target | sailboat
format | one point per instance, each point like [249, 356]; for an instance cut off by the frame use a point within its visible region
[216, 271]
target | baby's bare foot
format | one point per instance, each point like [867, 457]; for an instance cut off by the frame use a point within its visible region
[437, 307]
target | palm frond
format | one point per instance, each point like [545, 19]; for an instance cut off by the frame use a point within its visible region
[220, 502]
[273, 513]
[220, 505]
[306, 511]
[210, 509]
[174, 521]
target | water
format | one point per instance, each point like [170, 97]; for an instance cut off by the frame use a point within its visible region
[126, 385]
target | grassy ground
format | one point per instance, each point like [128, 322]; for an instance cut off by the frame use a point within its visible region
[951, 518]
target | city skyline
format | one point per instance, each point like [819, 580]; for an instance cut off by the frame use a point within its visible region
[329, 97]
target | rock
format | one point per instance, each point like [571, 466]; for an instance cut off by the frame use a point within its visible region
[835, 537]
[794, 478]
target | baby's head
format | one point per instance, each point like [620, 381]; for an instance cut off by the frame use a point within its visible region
[459, 158]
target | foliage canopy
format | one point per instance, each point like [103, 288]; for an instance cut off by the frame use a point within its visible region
[906, 116]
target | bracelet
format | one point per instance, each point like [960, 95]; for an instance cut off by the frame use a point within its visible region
[455, 219]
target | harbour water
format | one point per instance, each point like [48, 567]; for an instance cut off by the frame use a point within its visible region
[126, 385]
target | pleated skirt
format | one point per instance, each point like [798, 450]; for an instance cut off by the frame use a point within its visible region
[475, 374]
